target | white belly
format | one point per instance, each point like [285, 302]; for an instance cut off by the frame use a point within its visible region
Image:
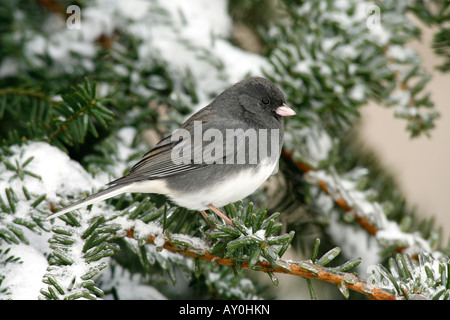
[232, 189]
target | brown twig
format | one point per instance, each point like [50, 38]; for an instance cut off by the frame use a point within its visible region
[340, 201]
[305, 270]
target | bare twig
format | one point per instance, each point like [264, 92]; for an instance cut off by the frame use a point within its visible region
[340, 201]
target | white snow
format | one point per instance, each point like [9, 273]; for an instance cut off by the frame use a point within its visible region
[24, 280]
[358, 93]
[354, 242]
[303, 66]
[128, 286]
[59, 174]
[315, 143]
[401, 53]
[188, 35]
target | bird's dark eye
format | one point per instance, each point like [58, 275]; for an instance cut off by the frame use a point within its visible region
[265, 100]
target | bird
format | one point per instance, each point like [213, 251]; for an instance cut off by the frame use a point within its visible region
[220, 155]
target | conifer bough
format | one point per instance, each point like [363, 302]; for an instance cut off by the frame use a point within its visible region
[304, 269]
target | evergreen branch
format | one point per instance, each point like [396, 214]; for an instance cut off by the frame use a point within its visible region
[11, 227]
[73, 117]
[37, 116]
[304, 269]
[418, 121]
[436, 14]
[427, 277]
[322, 67]
[29, 93]
[81, 102]
[373, 220]
[75, 260]
[6, 258]
[340, 201]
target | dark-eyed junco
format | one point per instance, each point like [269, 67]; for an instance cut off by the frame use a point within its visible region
[221, 154]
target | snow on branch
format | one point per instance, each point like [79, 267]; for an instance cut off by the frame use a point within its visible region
[304, 269]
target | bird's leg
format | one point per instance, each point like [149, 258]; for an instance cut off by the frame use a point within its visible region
[204, 214]
[220, 214]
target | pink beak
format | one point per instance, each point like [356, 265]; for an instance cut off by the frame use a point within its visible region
[284, 111]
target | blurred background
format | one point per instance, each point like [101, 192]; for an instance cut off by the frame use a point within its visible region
[420, 165]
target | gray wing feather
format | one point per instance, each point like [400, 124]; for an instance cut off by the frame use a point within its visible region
[158, 162]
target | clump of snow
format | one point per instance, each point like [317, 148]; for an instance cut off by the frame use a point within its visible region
[127, 286]
[400, 97]
[24, 280]
[358, 93]
[315, 143]
[354, 242]
[142, 231]
[401, 53]
[303, 66]
[59, 175]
